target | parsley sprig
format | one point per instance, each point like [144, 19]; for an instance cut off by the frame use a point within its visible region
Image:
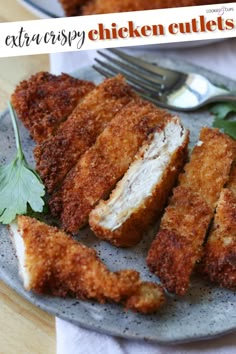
[20, 186]
[221, 111]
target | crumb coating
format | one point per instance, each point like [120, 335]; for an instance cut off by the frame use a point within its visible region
[99, 169]
[178, 245]
[130, 232]
[58, 154]
[219, 261]
[60, 266]
[44, 101]
[92, 7]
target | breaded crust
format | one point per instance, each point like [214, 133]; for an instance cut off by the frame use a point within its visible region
[59, 265]
[178, 244]
[99, 169]
[91, 7]
[219, 261]
[44, 100]
[232, 178]
[57, 155]
[209, 168]
[132, 223]
[107, 6]
[72, 7]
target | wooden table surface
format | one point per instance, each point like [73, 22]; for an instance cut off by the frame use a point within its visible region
[24, 329]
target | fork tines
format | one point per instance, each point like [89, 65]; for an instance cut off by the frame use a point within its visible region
[150, 80]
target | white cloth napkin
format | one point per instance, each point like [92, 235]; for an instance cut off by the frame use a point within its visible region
[219, 57]
[76, 340]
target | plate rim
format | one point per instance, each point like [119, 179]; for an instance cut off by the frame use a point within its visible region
[95, 326]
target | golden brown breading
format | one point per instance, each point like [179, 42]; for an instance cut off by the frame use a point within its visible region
[57, 264]
[57, 155]
[178, 244]
[139, 198]
[232, 178]
[219, 261]
[99, 169]
[72, 7]
[148, 298]
[107, 6]
[44, 100]
[210, 165]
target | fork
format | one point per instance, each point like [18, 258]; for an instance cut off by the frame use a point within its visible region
[164, 87]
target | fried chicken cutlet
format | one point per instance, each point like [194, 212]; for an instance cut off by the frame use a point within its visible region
[91, 7]
[72, 7]
[105, 6]
[57, 155]
[178, 244]
[44, 101]
[51, 262]
[219, 260]
[100, 168]
[139, 198]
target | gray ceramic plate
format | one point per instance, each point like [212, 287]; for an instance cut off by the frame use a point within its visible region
[206, 311]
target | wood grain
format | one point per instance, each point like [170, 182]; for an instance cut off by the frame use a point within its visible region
[24, 329]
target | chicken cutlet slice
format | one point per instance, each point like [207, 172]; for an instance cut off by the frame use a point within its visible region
[44, 100]
[72, 7]
[57, 155]
[51, 262]
[232, 177]
[178, 244]
[210, 165]
[99, 169]
[91, 7]
[107, 6]
[219, 260]
[139, 198]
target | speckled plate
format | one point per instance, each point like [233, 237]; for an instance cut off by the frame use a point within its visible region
[205, 312]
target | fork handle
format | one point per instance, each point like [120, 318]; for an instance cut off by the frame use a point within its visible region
[230, 97]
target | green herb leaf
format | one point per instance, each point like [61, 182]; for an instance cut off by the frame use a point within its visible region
[229, 127]
[20, 185]
[221, 110]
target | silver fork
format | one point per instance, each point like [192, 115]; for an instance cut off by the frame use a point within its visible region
[164, 87]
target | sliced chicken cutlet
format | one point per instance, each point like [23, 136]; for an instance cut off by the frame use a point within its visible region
[44, 100]
[219, 260]
[139, 198]
[99, 169]
[178, 244]
[51, 262]
[232, 177]
[72, 7]
[57, 155]
[107, 6]
[210, 165]
[91, 7]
